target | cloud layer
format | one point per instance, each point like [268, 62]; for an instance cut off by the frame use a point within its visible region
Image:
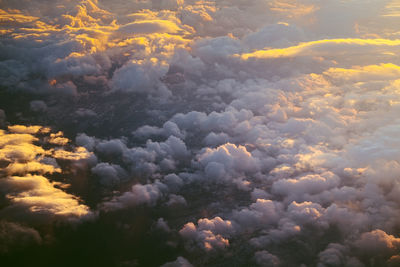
[210, 133]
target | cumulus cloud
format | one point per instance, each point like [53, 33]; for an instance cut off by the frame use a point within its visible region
[138, 76]
[227, 158]
[140, 194]
[251, 132]
[377, 243]
[109, 174]
[203, 236]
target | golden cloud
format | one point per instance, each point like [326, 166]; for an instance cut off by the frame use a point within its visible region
[30, 193]
[318, 47]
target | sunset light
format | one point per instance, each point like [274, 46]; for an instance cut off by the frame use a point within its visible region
[182, 133]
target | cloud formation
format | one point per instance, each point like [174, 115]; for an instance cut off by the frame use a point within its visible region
[255, 133]
[29, 195]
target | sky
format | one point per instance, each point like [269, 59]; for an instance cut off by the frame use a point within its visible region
[182, 133]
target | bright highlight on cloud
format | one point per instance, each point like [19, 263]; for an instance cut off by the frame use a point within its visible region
[200, 133]
[28, 194]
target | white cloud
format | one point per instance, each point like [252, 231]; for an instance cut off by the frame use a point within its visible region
[140, 194]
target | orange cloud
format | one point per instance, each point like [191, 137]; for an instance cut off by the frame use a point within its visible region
[37, 167]
[36, 194]
[15, 16]
[292, 8]
[318, 47]
[387, 71]
[28, 192]
[21, 129]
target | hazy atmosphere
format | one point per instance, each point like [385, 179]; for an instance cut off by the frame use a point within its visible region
[183, 133]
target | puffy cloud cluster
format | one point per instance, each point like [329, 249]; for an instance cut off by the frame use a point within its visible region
[209, 233]
[252, 132]
[150, 161]
[140, 194]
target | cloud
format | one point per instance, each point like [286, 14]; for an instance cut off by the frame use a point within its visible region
[169, 128]
[180, 262]
[22, 168]
[38, 106]
[264, 258]
[140, 194]
[310, 184]
[138, 76]
[17, 237]
[35, 196]
[32, 197]
[204, 237]
[261, 212]
[149, 26]
[371, 73]
[109, 174]
[226, 132]
[226, 158]
[21, 129]
[321, 47]
[377, 243]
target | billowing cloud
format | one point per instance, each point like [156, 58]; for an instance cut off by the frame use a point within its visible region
[246, 133]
